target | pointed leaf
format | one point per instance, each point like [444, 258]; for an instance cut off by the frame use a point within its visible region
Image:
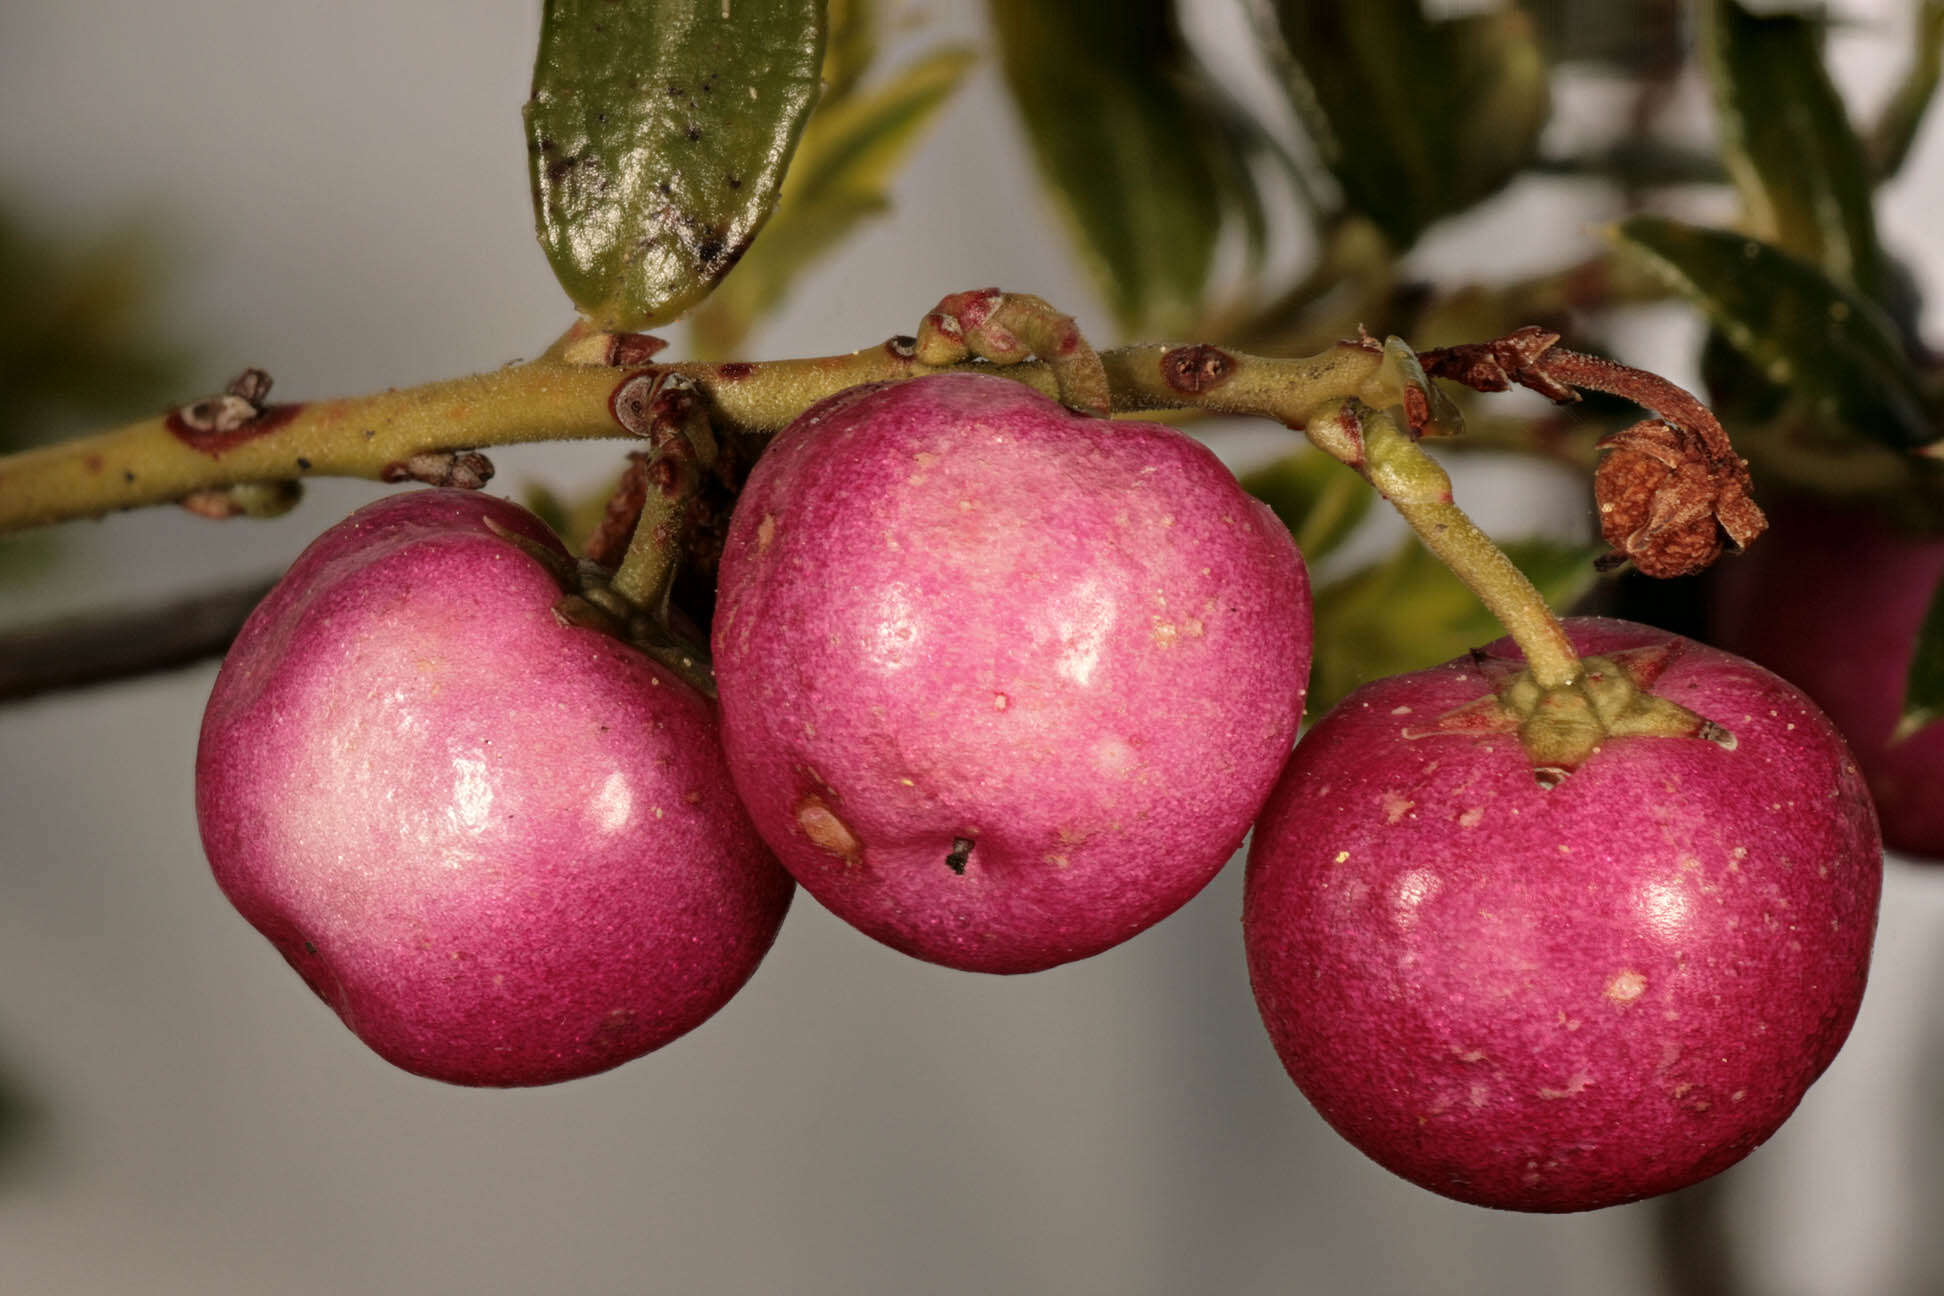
[1317, 498]
[1408, 612]
[1416, 118]
[1924, 685]
[657, 138]
[843, 170]
[1803, 331]
[1130, 156]
[1787, 143]
[1896, 129]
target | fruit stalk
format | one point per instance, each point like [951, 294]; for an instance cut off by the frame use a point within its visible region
[1418, 487]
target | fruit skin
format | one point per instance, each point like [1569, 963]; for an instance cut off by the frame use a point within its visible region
[1831, 600]
[1555, 1001]
[506, 851]
[950, 609]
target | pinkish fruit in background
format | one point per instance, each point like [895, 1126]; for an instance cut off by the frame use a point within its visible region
[1003, 684]
[505, 850]
[1559, 1000]
[1831, 600]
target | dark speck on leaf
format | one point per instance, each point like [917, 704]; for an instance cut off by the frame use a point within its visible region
[735, 182]
[303, 464]
[309, 948]
[709, 251]
[960, 853]
[694, 132]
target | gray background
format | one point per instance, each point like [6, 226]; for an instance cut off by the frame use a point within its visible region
[343, 187]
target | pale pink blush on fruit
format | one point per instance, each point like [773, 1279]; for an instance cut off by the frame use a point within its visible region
[504, 850]
[1002, 684]
[1559, 1000]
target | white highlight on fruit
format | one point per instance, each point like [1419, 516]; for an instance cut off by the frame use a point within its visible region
[1411, 891]
[1081, 623]
[1113, 757]
[1666, 908]
[613, 803]
[895, 631]
[472, 794]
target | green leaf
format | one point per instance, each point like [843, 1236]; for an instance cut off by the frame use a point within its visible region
[1829, 346]
[1416, 118]
[1317, 498]
[1924, 685]
[1408, 612]
[1787, 143]
[1140, 166]
[850, 47]
[844, 166]
[657, 138]
[1638, 39]
[1896, 129]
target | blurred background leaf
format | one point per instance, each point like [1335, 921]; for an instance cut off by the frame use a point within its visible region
[1924, 684]
[1417, 118]
[1408, 612]
[1896, 129]
[79, 347]
[1143, 158]
[1834, 351]
[1317, 498]
[657, 138]
[1786, 141]
[850, 152]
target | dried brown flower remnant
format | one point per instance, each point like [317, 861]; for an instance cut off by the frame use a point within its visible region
[1666, 505]
[1670, 490]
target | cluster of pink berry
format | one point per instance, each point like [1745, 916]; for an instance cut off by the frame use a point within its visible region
[1003, 685]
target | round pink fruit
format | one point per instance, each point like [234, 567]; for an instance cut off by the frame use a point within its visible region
[505, 850]
[1559, 1000]
[1831, 600]
[1003, 684]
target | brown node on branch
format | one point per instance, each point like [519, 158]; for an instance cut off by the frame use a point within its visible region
[1192, 370]
[460, 469]
[1671, 490]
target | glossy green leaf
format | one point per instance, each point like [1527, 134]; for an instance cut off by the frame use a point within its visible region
[1787, 142]
[1408, 612]
[1138, 165]
[1317, 498]
[844, 166]
[1924, 685]
[1831, 348]
[1417, 118]
[1896, 129]
[657, 138]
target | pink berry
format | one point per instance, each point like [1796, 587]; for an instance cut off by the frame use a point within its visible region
[1831, 600]
[1003, 684]
[505, 850]
[1559, 1000]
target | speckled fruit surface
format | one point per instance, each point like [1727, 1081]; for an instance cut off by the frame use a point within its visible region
[1831, 601]
[1561, 1000]
[1003, 685]
[506, 851]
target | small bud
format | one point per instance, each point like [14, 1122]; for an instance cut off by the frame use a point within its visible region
[462, 469]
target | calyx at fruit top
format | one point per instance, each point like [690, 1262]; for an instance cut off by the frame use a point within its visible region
[1562, 726]
[590, 601]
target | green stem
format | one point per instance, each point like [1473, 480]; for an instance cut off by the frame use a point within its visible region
[1417, 486]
